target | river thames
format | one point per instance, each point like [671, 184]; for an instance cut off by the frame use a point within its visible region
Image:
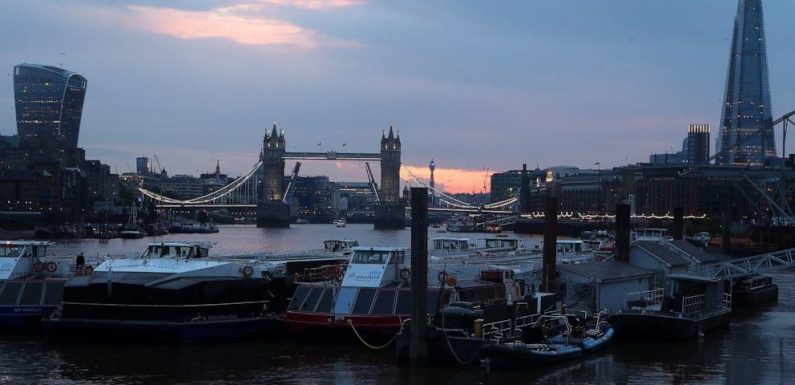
[758, 348]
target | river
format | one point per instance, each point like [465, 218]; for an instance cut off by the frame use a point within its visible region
[758, 348]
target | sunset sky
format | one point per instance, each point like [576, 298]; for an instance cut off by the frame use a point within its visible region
[478, 86]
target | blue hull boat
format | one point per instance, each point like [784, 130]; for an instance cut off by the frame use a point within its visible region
[518, 355]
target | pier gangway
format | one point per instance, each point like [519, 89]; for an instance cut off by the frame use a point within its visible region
[741, 267]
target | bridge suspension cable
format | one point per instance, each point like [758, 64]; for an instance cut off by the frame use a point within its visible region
[449, 200]
[215, 195]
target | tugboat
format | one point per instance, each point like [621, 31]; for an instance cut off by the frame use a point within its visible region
[695, 305]
[172, 292]
[371, 296]
[31, 283]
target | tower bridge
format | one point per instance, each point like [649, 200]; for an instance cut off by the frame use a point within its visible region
[272, 209]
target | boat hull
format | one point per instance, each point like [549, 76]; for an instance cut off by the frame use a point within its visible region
[443, 348]
[655, 326]
[374, 329]
[752, 298]
[509, 357]
[161, 331]
[28, 318]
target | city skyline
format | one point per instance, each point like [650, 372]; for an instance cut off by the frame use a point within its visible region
[550, 84]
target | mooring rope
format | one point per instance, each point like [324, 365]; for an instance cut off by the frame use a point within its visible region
[455, 355]
[359, 336]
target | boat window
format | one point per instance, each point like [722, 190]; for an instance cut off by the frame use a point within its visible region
[31, 293]
[403, 302]
[384, 302]
[345, 299]
[311, 299]
[201, 252]
[10, 251]
[10, 293]
[298, 297]
[53, 292]
[371, 257]
[399, 257]
[324, 306]
[364, 301]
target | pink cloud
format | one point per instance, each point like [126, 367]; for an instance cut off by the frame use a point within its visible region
[453, 180]
[312, 4]
[219, 23]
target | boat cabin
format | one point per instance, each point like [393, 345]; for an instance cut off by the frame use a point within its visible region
[652, 234]
[14, 252]
[450, 245]
[176, 250]
[696, 294]
[340, 245]
[501, 243]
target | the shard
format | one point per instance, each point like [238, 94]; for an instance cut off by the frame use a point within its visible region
[746, 133]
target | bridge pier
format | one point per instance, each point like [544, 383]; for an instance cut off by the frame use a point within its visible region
[273, 215]
[390, 217]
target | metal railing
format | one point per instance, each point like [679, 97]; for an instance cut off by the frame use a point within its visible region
[644, 299]
[727, 300]
[692, 304]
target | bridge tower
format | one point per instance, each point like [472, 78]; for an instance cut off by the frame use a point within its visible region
[271, 209]
[390, 213]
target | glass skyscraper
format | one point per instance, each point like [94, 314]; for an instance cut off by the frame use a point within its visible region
[746, 133]
[49, 105]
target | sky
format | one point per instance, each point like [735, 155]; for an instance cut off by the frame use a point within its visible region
[478, 86]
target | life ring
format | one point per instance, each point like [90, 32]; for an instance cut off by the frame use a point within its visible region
[442, 277]
[247, 271]
[405, 274]
[51, 267]
[38, 266]
[452, 281]
[88, 270]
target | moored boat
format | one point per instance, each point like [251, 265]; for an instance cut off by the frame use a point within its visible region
[694, 306]
[371, 297]
[754, 290]
[31, 282]
[172, 292]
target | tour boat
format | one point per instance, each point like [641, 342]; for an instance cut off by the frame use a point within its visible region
[371, 295]
[693, 306]
[461, 225]
[31, 282]
[340, 222]
[172, 292]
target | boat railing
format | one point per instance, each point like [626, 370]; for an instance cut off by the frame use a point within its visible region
[727, 300]
[693, 304]
[495, 331]
[644, 299]
[525, 320]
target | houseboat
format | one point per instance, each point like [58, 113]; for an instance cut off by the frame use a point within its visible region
[171, 292]
[692, 307]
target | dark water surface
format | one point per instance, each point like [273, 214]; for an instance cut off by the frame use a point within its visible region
[759, 347]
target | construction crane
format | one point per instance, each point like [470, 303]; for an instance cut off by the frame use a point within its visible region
[372, 182]
[290, 184]
[159, 167]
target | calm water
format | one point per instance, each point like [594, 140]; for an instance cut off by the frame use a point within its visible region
[759, 348]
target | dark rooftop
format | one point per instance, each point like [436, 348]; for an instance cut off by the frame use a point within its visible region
[610, 270]
[698, 253]
[663, 252]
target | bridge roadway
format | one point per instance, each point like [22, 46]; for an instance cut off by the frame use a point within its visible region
[332, 155]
